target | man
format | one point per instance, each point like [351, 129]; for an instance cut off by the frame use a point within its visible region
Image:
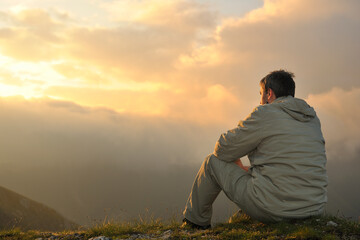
[283, 140]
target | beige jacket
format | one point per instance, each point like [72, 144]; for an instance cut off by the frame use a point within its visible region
[286, 149]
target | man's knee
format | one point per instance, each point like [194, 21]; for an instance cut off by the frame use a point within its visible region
[213, 165]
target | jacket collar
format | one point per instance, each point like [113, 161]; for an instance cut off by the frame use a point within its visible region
[280, 99]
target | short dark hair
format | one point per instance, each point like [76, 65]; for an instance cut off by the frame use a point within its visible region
[281, 82]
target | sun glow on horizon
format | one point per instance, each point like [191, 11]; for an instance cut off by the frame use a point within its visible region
[141, 63]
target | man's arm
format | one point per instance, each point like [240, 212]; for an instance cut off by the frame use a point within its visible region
[241, 140]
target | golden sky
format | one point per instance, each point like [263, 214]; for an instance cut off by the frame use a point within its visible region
[175, 58]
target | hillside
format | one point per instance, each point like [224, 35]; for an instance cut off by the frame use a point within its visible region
[24, 213]
[239, 227]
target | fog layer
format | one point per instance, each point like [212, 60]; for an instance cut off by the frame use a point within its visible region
[88, 163]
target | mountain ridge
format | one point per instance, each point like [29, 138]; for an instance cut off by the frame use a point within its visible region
[18, 211]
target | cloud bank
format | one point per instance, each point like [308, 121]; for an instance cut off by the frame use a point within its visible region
[184, 56]
[89, 163]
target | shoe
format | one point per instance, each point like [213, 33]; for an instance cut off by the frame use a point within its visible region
[239, 216]
[188, 224]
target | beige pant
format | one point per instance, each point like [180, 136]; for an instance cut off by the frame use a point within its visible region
[216, 175]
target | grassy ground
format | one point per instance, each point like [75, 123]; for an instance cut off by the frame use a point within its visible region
[239, 227]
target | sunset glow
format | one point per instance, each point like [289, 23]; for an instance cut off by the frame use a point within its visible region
[137, 63]
[145, 57]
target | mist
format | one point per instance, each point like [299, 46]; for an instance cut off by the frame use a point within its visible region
[90, 163]
[93, 163]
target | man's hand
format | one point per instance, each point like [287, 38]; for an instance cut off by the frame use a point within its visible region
[239, 163]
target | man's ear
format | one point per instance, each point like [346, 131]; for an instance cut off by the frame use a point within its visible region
[271, 95]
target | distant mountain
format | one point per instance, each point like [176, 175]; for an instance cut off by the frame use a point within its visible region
[19, 211]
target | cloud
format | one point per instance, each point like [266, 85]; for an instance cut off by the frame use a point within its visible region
[150, 38]
[340, 118]
[193, 46]
[194, 105]
[82, 73]
[146, 49]
[128, 53]
[297, 10]
[98, 66]
[82, 160]
[182, 15]
[6, 77]
[317, 41]
[30, 35]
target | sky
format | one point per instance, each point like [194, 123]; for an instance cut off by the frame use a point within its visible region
[105, 103]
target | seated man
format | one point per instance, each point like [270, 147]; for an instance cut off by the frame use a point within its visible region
[283, 140]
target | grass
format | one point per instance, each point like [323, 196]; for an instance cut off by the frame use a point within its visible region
[238, 227]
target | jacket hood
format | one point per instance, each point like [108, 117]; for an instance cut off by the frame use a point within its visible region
[296, 108]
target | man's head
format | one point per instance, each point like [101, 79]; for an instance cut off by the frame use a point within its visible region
[276, 84]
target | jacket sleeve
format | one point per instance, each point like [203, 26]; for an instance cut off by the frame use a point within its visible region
[241, 140]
